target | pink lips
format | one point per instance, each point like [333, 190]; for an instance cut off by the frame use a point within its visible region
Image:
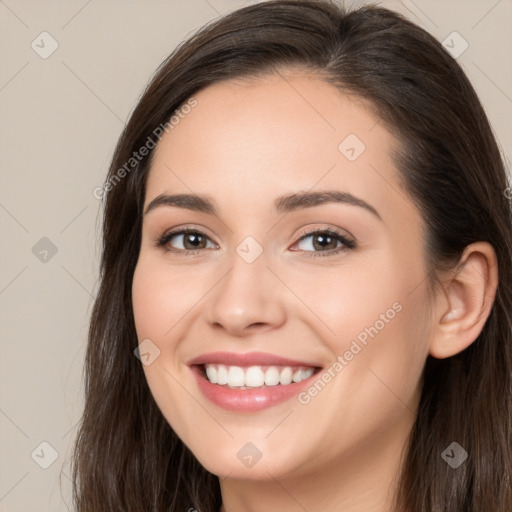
[247, 359]
[247, 400]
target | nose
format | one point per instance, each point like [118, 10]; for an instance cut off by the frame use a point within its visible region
[248, 299]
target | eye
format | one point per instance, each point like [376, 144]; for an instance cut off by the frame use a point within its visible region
[319, 242]
[190, 240]
[324, 242]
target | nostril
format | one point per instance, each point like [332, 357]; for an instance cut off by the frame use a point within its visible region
[257, 325]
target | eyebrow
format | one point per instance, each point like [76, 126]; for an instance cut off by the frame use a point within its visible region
[283, 204]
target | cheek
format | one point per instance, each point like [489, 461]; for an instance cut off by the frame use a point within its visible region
[149, 303]
[161, 298]
[377, 372]
[375, 316]
[355, 296]
[159, 303]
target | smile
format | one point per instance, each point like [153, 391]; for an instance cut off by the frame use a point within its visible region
[250, 382]
[255, 376]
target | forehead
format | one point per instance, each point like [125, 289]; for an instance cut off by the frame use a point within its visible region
[249, 141]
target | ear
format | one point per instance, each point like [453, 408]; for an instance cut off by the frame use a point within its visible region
[465, 301]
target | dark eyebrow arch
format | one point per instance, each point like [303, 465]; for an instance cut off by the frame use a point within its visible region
[291, 202]
[192, 202]
[283, 204]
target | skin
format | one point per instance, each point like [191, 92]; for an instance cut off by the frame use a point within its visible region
[245, 144]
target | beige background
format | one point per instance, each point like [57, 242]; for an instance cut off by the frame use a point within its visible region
[60, 119]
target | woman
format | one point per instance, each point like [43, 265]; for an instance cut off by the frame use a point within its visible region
[306, 281]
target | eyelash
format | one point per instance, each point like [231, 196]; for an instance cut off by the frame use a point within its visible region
[347, 242]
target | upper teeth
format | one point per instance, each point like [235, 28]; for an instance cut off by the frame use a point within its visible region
[256, 376]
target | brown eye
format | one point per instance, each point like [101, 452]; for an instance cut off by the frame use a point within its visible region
[325, 241]
[185, 240]
[193, 240]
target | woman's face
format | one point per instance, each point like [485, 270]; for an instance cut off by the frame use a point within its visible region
[260, 273]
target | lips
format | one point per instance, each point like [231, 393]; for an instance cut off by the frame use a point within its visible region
[248, 359]
[253, 397]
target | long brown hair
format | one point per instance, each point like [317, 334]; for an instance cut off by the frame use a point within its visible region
[126, 456]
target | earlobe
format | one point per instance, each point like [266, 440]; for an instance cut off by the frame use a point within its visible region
[467, 299]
